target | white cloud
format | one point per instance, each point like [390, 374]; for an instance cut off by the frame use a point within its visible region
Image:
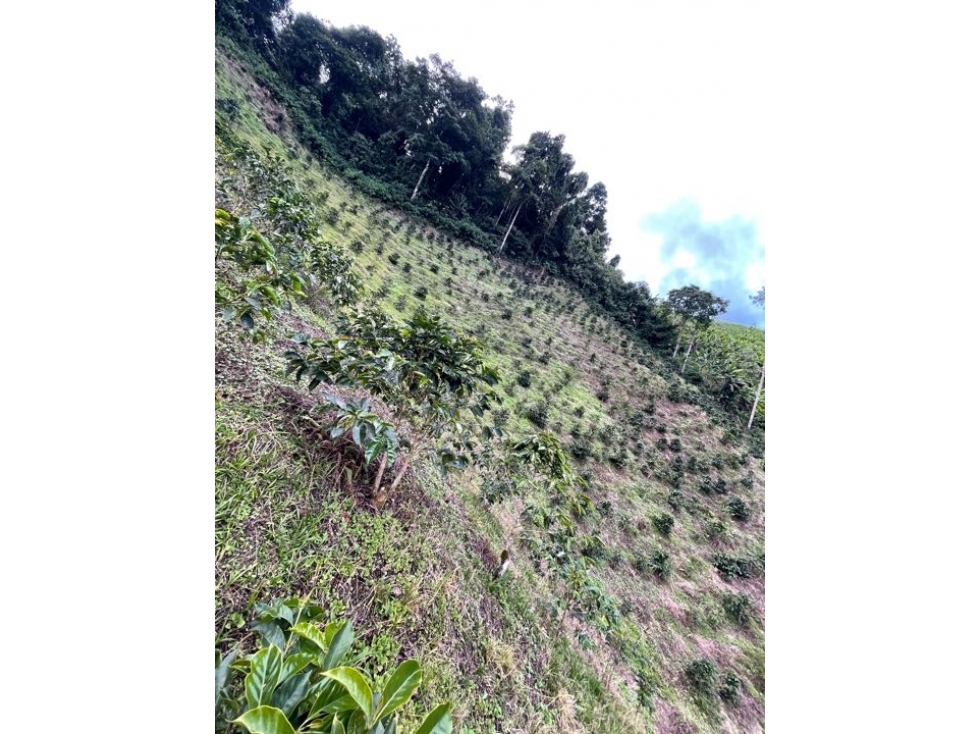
[684, 259]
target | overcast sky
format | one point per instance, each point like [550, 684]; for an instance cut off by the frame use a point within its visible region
[660, 102]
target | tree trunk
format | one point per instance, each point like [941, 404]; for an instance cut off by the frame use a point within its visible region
[676, 348]
[380, 472]
[420, 179]
[553, 218]
[512, 221]
[503, 210]
[687, 355]
[400, 475]
[754, 407]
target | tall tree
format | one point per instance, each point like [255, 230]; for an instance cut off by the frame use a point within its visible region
[544, 185]
[696, 309]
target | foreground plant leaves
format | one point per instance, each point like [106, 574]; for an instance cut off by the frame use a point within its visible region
[265, 720]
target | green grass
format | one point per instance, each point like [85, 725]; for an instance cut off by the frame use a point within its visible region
[417, 579]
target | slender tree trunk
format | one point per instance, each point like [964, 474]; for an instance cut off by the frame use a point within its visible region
[553, 218]
[400, 475]
[512, 221]
[754, 407]
[380, 472]
[420, 179]
[687, 355]
[676, 348]
[503, 210]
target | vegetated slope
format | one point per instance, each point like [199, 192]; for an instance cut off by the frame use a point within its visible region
[645, 612]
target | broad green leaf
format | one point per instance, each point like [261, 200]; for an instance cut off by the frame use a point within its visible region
[265, 720]
[357, 724]
[437, 722]
[331, 699]
[342, 639]
[341, 704]
[295, 663]
[356, 685]
[398, 690]
[221, 672]
[310, 632]
[284, 611]
[264, 676]
[290, 692]
[271, 633]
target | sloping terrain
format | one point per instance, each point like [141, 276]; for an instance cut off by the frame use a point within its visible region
[651, 615]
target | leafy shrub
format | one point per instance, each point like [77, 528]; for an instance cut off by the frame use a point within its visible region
[593, 547]
[737, 607]
[702, 676]
[425, 372]
[580, 448]
[731, 567]
[537, 414]
[730, 687]
[501, 417]
[713, 486]
[739, 510]
[372, 435]
[406, 268]
[421, 293]
[664, 523]
[401, 303]
[661, 444]
[579, 411]
[357, 246]
[675, 500]
[301, 680]
[394, 258]
[228, 106]
[714, 528]
[675, 445]
[523, 379]
[656, 563]
[496, 489]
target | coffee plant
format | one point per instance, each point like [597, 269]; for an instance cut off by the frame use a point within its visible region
[301, 681]
[422, 369]
[702, 676]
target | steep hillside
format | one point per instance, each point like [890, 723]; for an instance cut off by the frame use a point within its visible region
[636, 604]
